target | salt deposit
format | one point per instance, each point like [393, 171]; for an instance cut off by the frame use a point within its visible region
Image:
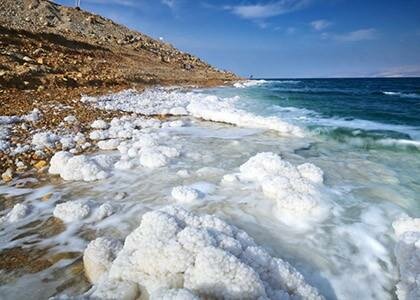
[18, 212]
[98, 257]
[294, 189]
[173, 248]
[109, 144]
[70, 119]
[80, 167]
[71, 211]
[407, 252]
[207, 107]
[43, 140]
[184, 194]
[99, 124]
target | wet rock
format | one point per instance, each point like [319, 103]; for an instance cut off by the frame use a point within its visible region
[8, 175]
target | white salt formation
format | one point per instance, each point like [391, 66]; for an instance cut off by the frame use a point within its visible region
[407, 252]
[18, 212]
[71, 211]
[184, 194]
[174, 253]
[44, 140]
[79, 167]
[99, 124]
[207, 107]
[294, 189]
[98, 257]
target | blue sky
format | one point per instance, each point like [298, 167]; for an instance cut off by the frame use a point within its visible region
[282, 38]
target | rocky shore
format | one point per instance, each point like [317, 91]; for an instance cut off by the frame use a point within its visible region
[51, 55]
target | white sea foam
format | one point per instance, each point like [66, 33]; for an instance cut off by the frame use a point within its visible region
[402, 95]
[249, 83]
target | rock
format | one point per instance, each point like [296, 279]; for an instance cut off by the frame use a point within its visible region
[188, 67]
[40, 61]
[27, 59]
[165, 59]
[41, 164]
[40, 88]
[8, 175]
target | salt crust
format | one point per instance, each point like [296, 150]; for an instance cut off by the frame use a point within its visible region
[407, 252]
[294, 189]
[17, 213]
[74, 211]
[184, 194]
[175, 254]
[208, 107]
[80, 167]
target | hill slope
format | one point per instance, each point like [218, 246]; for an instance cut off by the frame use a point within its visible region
[48, 47]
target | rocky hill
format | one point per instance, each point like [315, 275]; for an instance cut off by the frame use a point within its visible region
[47, 47]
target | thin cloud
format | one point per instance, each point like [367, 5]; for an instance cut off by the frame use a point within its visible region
[272, 9]
[320, 25]
[357, 35]
[169, 3]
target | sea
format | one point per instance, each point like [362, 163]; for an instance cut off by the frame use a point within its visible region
[363, 133]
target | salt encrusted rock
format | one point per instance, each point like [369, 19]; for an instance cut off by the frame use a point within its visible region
[67, 142]
[98, 257]
[105, 210]
[294, 189]
[80, 167]
[71, 211]
[44, 140]
[98, 135]
[4, 145]
[111, 144]
[176, 253]
[70, 119]
[99, 124]
[18, 212]
[184, 194]
[152, 158]
[407, 252]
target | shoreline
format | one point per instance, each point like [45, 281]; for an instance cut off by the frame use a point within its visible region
[54, 106]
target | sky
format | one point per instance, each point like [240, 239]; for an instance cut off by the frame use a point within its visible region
[282, 38]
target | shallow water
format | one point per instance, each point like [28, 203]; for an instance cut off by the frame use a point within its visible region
[347, 254]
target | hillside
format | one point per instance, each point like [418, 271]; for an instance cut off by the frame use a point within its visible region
[46, 47]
